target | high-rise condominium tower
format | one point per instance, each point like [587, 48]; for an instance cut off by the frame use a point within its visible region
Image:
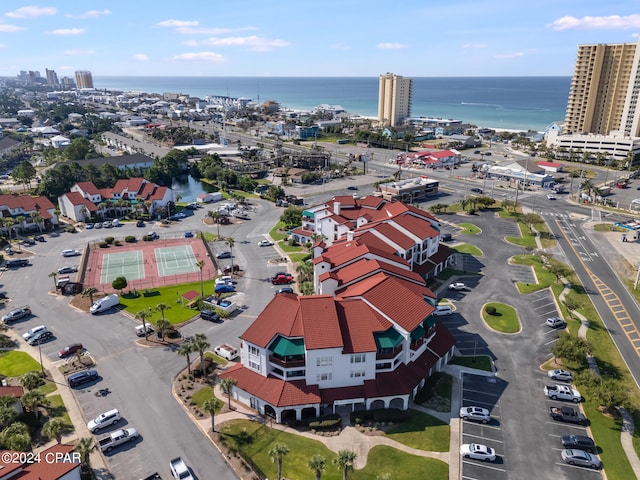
[84, 79]
[604, 90]
[52, 78]
[394, 99]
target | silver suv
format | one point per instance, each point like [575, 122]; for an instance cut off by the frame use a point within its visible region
[16, 314]
[103, 420]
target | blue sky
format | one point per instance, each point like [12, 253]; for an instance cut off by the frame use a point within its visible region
[414, 38]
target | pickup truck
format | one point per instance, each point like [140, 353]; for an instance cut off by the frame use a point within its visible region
[562, 392]
[117, 438]
[568, 415]
[179, 469]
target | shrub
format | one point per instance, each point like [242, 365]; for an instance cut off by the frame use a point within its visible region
[147, 238]
[326, 422]
[109, 240]
[490, 310]
[130, 239]
[70, 229]
[117, 243]
[380, 415]
[103, 245]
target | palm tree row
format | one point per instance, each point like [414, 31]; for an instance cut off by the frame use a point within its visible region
[198, 343]
[345, 461]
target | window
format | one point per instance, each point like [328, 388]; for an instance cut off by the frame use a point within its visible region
[357, 373]
[324, 361]
[255, 366]
[253, 350]
[357, 358]
[323, 377]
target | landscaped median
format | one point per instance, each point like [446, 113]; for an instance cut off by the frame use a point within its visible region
[501, 317]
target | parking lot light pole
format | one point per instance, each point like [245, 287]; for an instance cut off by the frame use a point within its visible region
[44, 375]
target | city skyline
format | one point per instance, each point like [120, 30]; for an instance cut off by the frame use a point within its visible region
[461, 38]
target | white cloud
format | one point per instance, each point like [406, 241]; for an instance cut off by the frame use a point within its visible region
[200, 57]
[31, 12]
[6, 28]
[76, 52]
[90, 14]
[178, 23]
[252, 42]
[66, 31]
[391, 46]
[187, 30]
[509, 55]
[140, 57]
[594, 23]
[474, 45]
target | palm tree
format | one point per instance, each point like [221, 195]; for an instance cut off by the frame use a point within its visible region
[215, 216]
[101, 208]
[54, 275]
[7, 415]
[200, 344]
[317, 464]
[230, 241]
[143, 315]
[34, 399]
[54, 428]
[37, 219]
[83, 212]
[89, 292]
[305, 271]
[277, 454]
[162, 325]
[186, 349]
[85, 446]
[20, 221]
[345, 461]
[200, 264]
[226, 386]
[31, 380]
[7, 223]
[210, 406]
[161, 307]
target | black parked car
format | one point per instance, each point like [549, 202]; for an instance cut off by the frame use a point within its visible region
[210, 315]
[581, 442]
[80, 378]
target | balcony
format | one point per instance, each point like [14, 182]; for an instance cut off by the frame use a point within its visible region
[288, 362]
[387, 353]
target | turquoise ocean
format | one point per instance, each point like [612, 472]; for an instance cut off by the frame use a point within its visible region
[519, 103]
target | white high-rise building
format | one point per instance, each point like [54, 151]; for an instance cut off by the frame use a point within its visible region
[394, 99]
[84, 79]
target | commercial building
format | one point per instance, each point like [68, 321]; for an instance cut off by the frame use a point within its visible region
[394, 99]
[83, 79]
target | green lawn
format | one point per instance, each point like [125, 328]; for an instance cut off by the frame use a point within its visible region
[275, 234]
[422, 431]
[607, 227]
[57, 409]
[15, 363]
[47, 388]
[469, 229]
[215, 358]
[545, 278]
[255, 440]
[481, 362]
[286, 248]
[468, 249]
[204, 394]
[526, 240]
[170, 296]
[505, 319]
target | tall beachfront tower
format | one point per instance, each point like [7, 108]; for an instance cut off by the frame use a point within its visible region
[394, 99]
[84, 79]
[604, 90]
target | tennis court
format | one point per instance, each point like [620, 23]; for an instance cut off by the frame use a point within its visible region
[176, 260]
[122, 264]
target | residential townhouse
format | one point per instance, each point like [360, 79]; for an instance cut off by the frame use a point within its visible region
[57, 462]
[29, 213]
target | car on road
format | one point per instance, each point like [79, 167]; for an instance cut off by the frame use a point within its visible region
[560, 374]
[70, 253]
[476, 152]
[281, 278]
[352, 187]
[188, 234]
[477, 451]
[551, 196]
[225, 254]
[265, 243]
[16, 314]
[477, 414]
[446, 237]
[224, 288]
[192, 206]
[70, 350]
[28, 335]
[81, 378]
[457, 286]
[210, 316]
[231, 269]
[103, 420]
[580, 442]
[284, 290]
[581, 458]
[67, 269]
[476, 190]
[40, 337]
[556, 322]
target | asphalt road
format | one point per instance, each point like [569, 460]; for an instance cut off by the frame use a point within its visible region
[140, 378]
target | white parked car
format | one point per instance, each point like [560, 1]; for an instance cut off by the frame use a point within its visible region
[35, 330]
[551, 196]
[562, 392]
[265, 243]
[556, 322]
[70, 253]
[457, 286]
[562, 375]
[478, 451]
[478, 414]
[103, 420]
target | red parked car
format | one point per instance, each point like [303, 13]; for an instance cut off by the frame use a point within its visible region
[70, 350]
[282, 278]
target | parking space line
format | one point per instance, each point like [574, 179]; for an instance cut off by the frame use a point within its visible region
[484, 465]
[482, 437]
[478, 391]
[569, 425]
[468, 478]
[552, 341]
[470, 422]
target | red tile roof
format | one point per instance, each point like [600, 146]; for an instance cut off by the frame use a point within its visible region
[443, 341]
[44, 470]
[320, 322]
[76, 198]
[28, 204]
[366, 267]
[10, 391]
[358, 323]
[393, 235]
[280, 316]
[346, 251]
[273, 390]
[419, 227]
[88, 187]
[549, 164]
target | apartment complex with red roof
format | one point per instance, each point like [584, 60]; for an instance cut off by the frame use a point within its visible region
[85, 200]
[58, 462]
[369, 338]
[33, 212]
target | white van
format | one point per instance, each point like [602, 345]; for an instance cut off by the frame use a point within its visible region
[443, 310]
[227, 352]
[62, 281]
[140, 330]
[105, 303]
[115, 222]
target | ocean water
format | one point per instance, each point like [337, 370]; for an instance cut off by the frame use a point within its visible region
[521, 103]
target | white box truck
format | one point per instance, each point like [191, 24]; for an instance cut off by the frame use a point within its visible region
[105, 303]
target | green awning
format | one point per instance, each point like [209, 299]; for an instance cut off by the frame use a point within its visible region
[389, 339]
[309, 214]
[430, 322]
[418, 332]
[288, 347]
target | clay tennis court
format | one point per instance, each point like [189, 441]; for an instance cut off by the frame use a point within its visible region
[148, 264]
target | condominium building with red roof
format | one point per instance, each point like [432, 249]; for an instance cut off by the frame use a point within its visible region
[29, 213]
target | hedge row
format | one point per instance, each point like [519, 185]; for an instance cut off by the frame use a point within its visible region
[380, 415]
[326, 422]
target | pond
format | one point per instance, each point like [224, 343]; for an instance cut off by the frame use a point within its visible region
[189, 188]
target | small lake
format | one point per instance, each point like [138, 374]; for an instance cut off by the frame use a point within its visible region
[189, 188]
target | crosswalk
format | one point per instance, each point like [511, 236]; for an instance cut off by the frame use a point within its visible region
[553, 214]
